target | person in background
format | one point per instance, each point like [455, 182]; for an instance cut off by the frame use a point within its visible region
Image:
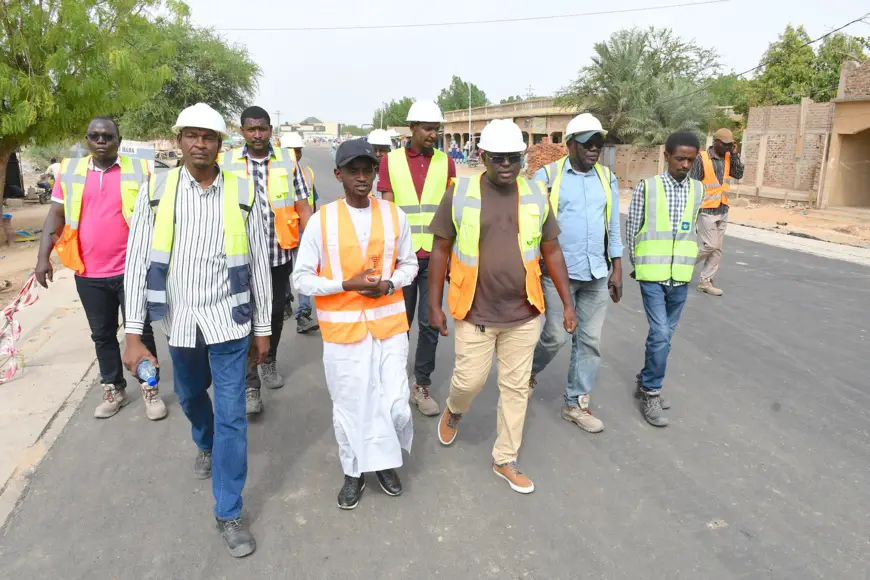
[355, 258]
[716, 169]
[382, 144]
[662, 245]
[88, 224]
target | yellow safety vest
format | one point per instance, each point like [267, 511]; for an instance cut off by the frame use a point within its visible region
[532, 210]
[309, 182]
[660, 254]
[238, 198]
[420, 210]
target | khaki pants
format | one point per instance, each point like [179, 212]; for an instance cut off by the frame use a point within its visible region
[711, 236]
[515, 349]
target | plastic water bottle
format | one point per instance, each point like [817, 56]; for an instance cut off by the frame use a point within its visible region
[147, 373]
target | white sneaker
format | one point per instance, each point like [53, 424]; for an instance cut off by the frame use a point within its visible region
[113, 400]
[155, 408]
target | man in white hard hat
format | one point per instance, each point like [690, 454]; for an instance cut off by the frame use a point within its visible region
[495, 292]
[415, 178]
[585, 198]
[275, 176]
[380, 140]
[198, 262]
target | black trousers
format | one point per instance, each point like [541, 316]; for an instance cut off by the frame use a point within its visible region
[280, 282]
[417, 298]
[103, 299]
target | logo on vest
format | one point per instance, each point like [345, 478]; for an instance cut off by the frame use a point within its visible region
[685, 226]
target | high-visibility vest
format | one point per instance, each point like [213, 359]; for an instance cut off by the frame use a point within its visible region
[279, 188]
[73, 173]
[532, 210]
[660, 254]
[420, 210]
[308, 175]
[347, 317]
[557, 169]
[715, 193]
[238, 198]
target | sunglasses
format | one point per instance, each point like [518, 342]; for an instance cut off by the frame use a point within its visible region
[97, 137]
[500, 159]
[596, 142]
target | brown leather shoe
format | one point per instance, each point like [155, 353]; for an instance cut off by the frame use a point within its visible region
[448, 426]
[511, 473]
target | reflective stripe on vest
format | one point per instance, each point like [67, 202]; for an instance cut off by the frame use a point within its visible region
[715, 193]
[279, 188]
[238, 197]
[347, 317]
[660, 254]
[420, 210]
[533, 210]
[308, 175]
[73, 175]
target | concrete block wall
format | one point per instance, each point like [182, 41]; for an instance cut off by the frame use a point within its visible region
[857, 83]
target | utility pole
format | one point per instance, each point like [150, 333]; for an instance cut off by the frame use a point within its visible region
[278, 115]
[470, 135]
[529, 92]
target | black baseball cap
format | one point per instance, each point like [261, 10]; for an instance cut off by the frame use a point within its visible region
[350, 150]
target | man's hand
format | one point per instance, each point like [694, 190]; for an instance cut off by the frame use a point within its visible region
[259, 350]
[364, 281]
[135, 352]
[614, 285]
[632, 275]
[381, 290]
[569, 319]
[438, 320]
[44, 272]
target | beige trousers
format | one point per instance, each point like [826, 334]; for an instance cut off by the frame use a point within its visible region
[711, 238]
[514, 348]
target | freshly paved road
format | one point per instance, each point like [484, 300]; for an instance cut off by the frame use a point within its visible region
[763, 472]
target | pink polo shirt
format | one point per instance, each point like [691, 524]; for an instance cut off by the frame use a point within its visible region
[103, 230]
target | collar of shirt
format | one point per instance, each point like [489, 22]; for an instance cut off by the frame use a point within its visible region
[216, 186]
[245, 153]
[570, 169]
[674, 183]
[93, 167]
[414, 153]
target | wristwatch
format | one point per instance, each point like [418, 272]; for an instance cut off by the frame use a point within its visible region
[391, 288]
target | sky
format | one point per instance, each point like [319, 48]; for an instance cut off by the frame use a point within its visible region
[343, 76]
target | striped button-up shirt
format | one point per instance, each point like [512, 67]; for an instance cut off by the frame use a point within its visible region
[198, 286]
[258, 169]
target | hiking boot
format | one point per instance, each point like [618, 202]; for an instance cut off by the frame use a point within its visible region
[155, 408]
[269, 376]
[425, 403]
[253, 402]
[533, 382]
[202, 465]
[238, 538]
[305, 324]
[351, 491]
[390, 482]
[511, 473]
[706, 286]
[651, 407]
[113, 399]
[448, 426]
[582, 417]
[638, 394]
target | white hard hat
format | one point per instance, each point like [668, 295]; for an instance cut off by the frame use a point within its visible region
[584, 123]
[379, 137]
[501, 136]
[425, 112]
[201, 116]
[292, 140]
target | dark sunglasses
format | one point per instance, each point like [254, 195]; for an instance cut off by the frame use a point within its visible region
[596, 142]
[96, 137]
[500, 159]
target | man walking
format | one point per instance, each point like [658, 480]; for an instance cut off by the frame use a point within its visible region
[198, 262]
[716, 169]
[93, 199]
[382, 144]
[282, 194]
[495, 292]
[662, 246]
[415, 178]
[583, 195]
[355, 259]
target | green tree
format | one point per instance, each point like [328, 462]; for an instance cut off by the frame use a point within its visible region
[511, 99]
[65, 61]
[672, 106]
[205, 69]
[788, 71]
[392, 114]
[354, 130]
[455, 96]
[833, 52]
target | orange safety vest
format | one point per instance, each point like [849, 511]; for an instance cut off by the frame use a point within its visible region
[715, 193]
[346, 317]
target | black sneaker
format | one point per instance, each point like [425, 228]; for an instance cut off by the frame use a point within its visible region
[638, 394]
[390, 482]
[239, 540]
[651, 407]
[202, 465]
[304, 323]
[351, 492]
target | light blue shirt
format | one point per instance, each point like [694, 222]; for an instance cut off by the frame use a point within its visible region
[581, 218]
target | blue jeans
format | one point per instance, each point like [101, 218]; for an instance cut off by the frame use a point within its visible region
[590, 304]
[223, 430]
[417, 298]
[304, 304]
[663, 306]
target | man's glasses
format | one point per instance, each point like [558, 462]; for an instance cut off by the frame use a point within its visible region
[97, 137]
[500, 159]
[596, 142]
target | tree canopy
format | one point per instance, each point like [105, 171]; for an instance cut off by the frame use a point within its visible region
[455, 96]
[392, 114]
[511, 99]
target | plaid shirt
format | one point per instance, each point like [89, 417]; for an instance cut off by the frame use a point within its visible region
[258, 169]
[677, 195]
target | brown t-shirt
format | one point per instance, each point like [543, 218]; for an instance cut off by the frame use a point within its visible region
[500, 296]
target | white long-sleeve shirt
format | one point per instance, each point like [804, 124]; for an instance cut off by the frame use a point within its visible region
[198, 286]
[305, 276]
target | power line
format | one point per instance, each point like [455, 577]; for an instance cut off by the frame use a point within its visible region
[470, 22]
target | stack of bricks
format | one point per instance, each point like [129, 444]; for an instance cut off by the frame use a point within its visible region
[542, 154]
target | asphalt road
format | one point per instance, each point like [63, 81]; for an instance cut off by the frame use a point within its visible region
[763, 473]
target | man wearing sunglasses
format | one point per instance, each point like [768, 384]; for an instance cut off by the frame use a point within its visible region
[585, 198]
[495, 291]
